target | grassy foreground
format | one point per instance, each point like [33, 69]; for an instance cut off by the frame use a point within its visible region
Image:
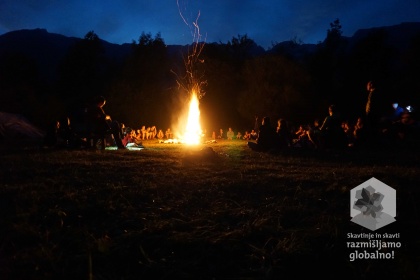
[214, 211]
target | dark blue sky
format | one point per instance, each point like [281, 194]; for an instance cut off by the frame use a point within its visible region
[264, 21]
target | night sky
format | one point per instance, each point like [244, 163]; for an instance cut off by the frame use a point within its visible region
[266, 22]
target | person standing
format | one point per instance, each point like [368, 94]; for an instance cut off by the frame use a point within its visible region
[371, 104]
[376, 110]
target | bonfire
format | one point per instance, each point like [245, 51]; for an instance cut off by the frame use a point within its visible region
[191, 83]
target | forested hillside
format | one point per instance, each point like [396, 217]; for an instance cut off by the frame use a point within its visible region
[45, 76]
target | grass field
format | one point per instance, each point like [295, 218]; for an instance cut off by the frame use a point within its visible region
[212, 211]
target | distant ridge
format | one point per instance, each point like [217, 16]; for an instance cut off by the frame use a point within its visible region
[48, 49]
[398, 35]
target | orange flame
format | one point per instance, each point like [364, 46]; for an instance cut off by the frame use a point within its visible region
[193, 129]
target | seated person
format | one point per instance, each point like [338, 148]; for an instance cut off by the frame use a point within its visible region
[301, 138]
[267, 137]
[168, 134]
[230, 134]
[360, 133]
[53, 137]
[284, 134]
[128, 138]
[137, 137]
[160, 134]
[153, 132]
[101, 124]
[220, 136]
[300, 132]
[253, 135]
[332, 134]
[148, 133]
[314, 135]
[247, 135]
[143, 132]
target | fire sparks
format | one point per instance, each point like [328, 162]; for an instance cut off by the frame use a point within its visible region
[192, 83]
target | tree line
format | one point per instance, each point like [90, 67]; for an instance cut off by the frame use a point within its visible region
[241, 80]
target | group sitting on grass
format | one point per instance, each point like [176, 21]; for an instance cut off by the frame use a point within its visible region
[332, 133]
[335, 133]
[376, 128]
[93, 128]
[90, 127]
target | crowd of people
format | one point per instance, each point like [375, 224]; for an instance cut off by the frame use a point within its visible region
[133, 137]
[374, 128]
[91, 127]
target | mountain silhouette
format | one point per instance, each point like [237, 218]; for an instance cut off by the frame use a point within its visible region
[48, 49]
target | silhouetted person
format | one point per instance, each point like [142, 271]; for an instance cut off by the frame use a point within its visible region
[332, 134]
[51, 135]
[267, 137]
[284, 134]
[59, 134]
[360, 134]
[100, 124]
